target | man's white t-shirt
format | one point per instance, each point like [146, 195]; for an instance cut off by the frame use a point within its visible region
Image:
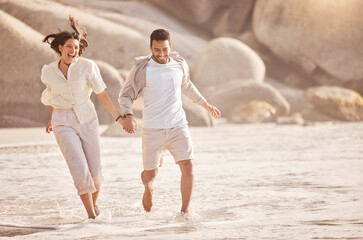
[162, 95]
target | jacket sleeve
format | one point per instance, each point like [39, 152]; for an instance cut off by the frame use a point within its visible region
[189, 89]
[128, 94]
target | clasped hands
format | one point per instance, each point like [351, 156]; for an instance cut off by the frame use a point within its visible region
[129, 124]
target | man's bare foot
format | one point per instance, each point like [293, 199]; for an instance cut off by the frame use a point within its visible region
[147, 199]
[97, 210]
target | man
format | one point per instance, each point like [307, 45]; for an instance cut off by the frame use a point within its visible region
[162, 77]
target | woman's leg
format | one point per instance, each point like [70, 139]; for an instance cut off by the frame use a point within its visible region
[90, 139]
[71, 147]
[87, 201]
[94, 198]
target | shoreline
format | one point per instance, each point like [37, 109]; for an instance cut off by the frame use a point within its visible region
[37, 135]
[29, 136]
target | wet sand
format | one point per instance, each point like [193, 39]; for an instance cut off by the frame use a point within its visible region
[260, 181]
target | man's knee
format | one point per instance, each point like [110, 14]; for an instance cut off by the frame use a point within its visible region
[149, 174]
[186, 167]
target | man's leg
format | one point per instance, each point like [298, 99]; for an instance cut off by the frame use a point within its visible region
[148, 177]
[186, 183]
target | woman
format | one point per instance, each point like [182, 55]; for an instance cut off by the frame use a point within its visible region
[73, 119]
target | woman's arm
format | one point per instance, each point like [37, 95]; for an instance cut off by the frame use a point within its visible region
[49, 128]
[106, 101]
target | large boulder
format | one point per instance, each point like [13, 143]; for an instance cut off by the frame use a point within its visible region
[145, 18]
[224, 59]
[114, 83]
[219, 17]
[340, 103]
[108, 41]
[21, 60]
[322, 37]
[228, 96]
[294, 96]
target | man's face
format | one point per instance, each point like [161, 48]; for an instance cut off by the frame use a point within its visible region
[161, 51]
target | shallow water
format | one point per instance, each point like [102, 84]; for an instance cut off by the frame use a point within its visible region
[252, 182]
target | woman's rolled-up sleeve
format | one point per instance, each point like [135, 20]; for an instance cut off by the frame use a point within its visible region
[97, 83]
[46, 96]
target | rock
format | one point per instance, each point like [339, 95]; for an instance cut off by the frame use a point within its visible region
[315, 115]
[22, 58]
[114, 83]
[115, 130]
[219, 17]
[145, 18]
[301, 32]
[340, 103]
[225, 59]
[295, 118]
[252, 112]
[294, 96]
[229, 95]
[110, 42]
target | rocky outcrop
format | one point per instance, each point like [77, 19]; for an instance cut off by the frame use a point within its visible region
[110, 42]
[294, 96]
[22, 58]
[215, 16]
[340, 103]
[145, 18]
[232, 94]
[225, 59]
[320, 36]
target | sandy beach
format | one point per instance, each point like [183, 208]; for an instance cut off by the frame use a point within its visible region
[260, 181]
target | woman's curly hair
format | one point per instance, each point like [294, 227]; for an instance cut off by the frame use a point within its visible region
[56, 39]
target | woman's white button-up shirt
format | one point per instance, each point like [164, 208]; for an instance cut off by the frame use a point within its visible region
[83, 77]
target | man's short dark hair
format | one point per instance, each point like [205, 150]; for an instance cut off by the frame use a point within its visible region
[159, 35]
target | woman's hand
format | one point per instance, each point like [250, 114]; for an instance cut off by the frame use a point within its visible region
[48, 128]
[121, 121]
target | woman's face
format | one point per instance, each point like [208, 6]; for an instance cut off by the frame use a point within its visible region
[69, 51]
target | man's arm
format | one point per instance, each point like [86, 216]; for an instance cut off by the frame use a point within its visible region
[212, 109]
[189, 90]
[127, 96]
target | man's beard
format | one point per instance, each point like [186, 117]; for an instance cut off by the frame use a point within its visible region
[166, 58]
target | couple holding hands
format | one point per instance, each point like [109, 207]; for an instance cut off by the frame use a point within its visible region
[161, 78]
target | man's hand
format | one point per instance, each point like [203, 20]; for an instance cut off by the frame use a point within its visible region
[129, 124]
[213, 110]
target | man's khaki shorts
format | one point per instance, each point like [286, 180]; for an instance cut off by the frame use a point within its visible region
[156, 141]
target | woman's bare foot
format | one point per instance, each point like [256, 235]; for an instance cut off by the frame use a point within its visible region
[97, 210]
